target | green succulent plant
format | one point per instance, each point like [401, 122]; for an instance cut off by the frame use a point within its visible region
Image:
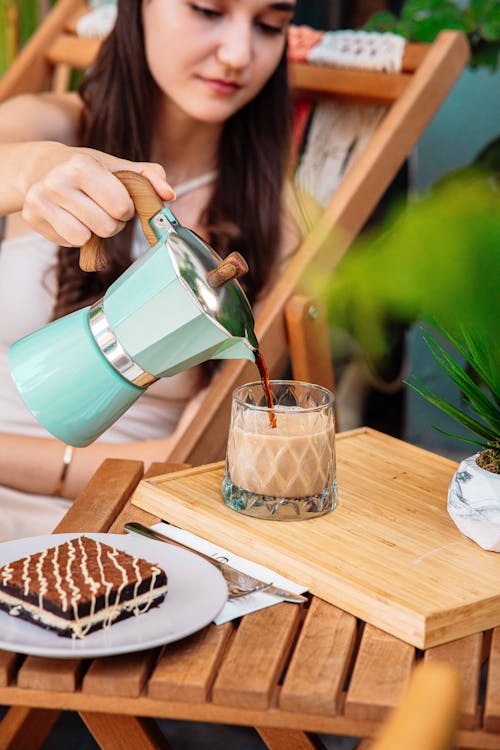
[481, 413]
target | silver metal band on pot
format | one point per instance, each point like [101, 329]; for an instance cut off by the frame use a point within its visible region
[113, 351]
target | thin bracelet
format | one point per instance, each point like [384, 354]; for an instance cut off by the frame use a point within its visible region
[67, 457]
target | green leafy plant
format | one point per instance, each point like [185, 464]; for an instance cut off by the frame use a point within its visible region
[435, 260]
[422, 20]
[482, 416]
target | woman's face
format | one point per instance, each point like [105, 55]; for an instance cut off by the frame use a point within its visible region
[211, 57]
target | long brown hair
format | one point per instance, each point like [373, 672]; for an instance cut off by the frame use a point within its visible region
[245, 210]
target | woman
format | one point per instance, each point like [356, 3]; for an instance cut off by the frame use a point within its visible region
[193, 90]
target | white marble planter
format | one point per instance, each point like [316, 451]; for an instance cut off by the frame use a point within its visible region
[474, 503]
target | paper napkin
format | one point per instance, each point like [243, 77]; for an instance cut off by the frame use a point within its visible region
[246, 604]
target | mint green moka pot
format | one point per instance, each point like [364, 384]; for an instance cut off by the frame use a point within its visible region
[177, 306]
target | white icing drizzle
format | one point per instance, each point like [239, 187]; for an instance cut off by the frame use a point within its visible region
[75, 591]
[107, 584]
[91, 583]
[135, 566]
[7, 572]
[155, 572]
[58, 580]
[115, 611]
[41, 578]
[25, 576]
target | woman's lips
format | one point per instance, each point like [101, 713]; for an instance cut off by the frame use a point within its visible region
[219, 86]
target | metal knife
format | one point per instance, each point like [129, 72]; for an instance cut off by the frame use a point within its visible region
[139, 528]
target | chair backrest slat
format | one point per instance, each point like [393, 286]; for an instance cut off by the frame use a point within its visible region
[360, 85]
[72, 50]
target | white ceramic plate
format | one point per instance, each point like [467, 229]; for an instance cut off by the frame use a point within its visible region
[196, 594]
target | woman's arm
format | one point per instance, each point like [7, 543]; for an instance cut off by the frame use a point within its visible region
[33, 464]
[25, 121]
[40, 117]
[65, 192]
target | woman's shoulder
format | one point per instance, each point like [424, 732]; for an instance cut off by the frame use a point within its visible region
[41, 117]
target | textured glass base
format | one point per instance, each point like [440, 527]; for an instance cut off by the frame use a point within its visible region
[278, 508]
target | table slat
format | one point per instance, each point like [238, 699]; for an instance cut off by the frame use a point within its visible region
[492, 702]
[466, 656]
[58, 675]
[105, 495]
[9, 663]
[316, 674]
[380, 676]
[249, 673]
[123, 675]
[187, 669]
[131, 512]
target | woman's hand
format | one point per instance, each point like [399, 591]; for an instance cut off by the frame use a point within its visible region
[69, 192]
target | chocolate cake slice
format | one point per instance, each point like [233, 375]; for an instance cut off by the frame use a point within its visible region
[80, 586]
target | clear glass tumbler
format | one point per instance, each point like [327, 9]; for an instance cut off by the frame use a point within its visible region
[286, 472]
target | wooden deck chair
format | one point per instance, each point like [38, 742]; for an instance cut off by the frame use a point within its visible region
[289, 323]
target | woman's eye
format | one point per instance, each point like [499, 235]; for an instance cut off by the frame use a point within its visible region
[204, 11]
[268, 28]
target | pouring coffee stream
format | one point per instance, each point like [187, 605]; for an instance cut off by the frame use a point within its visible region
[266, 386]
[175, 307]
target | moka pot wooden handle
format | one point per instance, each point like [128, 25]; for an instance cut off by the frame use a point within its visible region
[147, 203]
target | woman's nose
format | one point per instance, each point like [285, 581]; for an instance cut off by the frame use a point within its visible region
[235, 49]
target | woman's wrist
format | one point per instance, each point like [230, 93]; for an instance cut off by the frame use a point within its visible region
[66, 463]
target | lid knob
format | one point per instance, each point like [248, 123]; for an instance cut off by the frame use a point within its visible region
[231, 267]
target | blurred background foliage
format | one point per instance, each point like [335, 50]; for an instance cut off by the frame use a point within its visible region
[18, 20]
[422, 20]
[434, 259]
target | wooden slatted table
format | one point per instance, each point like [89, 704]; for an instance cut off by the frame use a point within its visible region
[289, 670]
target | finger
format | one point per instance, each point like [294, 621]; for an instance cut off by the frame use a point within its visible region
[82, 176]
[152, 171]
[50, 234]
[69, 231]
[91, 214]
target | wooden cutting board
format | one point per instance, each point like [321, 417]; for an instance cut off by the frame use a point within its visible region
[389, 553]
